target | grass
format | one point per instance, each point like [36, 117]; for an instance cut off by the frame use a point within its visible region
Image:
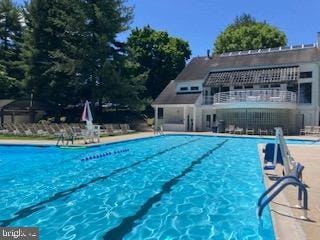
[17, 137]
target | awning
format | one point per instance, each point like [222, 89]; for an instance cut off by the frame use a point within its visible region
[253, 76]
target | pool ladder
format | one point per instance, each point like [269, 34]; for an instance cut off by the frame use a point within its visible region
[280, 185]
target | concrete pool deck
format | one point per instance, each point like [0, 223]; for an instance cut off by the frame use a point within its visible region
[285, 216]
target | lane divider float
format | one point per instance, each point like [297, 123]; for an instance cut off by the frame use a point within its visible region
[104, 154]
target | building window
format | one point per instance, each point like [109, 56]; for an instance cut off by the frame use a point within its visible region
[214, 116]
[306, 74]
[305, 95]
[292, 87]
[194, 88]
[184, 89]
[264, 86]
[275, 85]
[237, 87]
[248, 86]
[160, 113]
[214, 90]
[225, 89]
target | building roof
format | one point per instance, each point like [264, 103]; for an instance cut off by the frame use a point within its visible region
[199, 67]
[4, 102]
[169, 96]
[253, 76]
[12, 104]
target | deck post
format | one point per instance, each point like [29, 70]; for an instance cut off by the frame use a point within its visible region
[155, 118]
[185, 118]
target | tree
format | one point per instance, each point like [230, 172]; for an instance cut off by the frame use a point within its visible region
[246, 33]
[101, 52]
[6, 83]
[159, 56]
[52, 49]
[10, 46]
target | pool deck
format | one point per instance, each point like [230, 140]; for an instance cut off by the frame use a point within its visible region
[119, 138]
[285, 216]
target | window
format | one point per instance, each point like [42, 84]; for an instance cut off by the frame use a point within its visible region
[214, 90]
[194, 88]
[184, 89]
[248, 86]
[160, 113]
[276, 85]
[264, 86]
[292, 87]
[237, 87]
[225, 89]
[306, 74]
[305, 95]
[214, 118]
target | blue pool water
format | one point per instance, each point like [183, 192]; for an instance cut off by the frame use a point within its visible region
[167, 187]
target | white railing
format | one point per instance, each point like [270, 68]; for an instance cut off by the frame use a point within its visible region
[267, 96]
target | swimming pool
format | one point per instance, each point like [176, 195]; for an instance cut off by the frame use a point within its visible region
[167, 187]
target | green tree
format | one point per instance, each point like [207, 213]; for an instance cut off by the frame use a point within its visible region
[246, 33]
[6, 83]
[101, 51]
[159, 56]
[52, 48]
[10, 45]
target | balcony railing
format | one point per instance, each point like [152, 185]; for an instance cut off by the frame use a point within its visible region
[260, 96]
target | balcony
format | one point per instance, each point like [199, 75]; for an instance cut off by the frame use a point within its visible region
[252, 98]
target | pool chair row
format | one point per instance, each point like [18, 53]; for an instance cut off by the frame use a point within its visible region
[310, 131]
[232, 129]
[115, 129]
[55, 129]
[39, 129]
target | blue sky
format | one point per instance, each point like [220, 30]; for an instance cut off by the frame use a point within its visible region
[200, 21]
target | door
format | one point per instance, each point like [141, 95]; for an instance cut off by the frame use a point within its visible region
[208, 122]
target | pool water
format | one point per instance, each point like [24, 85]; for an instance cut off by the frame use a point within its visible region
[167, 187]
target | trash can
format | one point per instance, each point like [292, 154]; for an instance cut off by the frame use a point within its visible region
[221, 126]
[214, 129]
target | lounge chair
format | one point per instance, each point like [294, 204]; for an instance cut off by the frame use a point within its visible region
[126, 128]
[116, 129]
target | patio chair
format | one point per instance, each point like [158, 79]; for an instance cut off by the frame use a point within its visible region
[263, 131]
[230, 129]
[308, 130]
[238, 130]
[315, 130]
[250, 131]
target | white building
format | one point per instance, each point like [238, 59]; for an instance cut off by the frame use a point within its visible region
[261, 88]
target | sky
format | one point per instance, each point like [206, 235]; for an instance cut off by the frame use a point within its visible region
[200, 21]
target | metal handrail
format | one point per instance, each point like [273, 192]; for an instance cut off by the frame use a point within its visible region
[276, 96]
[291, 181]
